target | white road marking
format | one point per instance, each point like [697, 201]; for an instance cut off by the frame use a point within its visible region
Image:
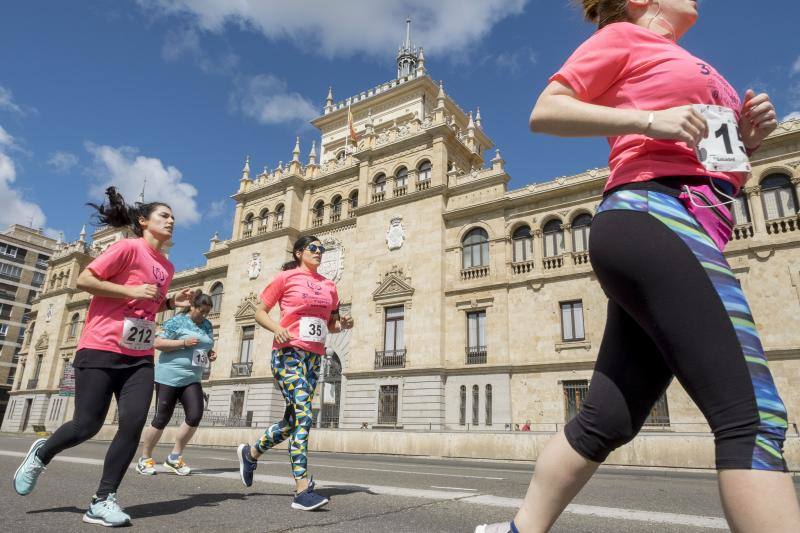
[453, 488]
[453, 493]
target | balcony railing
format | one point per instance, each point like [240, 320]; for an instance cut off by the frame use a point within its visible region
[317, 222]
[247, 233]
[476, 355]
[390, 359]
[783, 225]
[351, 213]
[580, 258]
[551, 263]
[523, 267]
[263, 229]
[400, 190]
[422, 185]
[239, 370]
[475, 272]
[33, 383]
[278, 224]
[378, 196]
[336, 217]
[743, 232]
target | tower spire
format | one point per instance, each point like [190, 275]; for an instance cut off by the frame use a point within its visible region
[407, 57]
[141, 194]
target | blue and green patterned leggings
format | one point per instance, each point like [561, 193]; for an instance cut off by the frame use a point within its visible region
[296, 372]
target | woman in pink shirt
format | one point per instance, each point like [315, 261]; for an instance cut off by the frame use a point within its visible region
[309, 305]
[128, 283]
[680, 139]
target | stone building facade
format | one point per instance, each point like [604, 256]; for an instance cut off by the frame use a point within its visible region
[475, 306]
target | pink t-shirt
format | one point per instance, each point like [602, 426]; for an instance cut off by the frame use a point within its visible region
[126, 262]
[626, 66]
[301, 293]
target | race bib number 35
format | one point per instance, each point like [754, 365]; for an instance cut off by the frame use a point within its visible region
[313, 329]
[722, 150]
[138, 334]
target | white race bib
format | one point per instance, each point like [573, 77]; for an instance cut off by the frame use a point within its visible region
[200, 358]
[313, 329]
[722, 150]
[138, 334]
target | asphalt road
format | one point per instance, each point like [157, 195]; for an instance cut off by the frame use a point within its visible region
[368, 493]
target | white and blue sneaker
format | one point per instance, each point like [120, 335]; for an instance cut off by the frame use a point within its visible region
[501, 527]
[28, 472]
[106, 512]
[308, 500]
[246, 464]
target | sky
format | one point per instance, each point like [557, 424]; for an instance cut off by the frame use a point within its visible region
[102, 92]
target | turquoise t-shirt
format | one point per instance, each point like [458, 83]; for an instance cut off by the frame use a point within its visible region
[185, 366]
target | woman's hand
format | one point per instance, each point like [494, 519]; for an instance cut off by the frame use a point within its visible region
[212, 356]
[183, 298]
[142, 292]
[757, 119]
[282, 335]
[190, 341]
[346, 322]
[682, 123]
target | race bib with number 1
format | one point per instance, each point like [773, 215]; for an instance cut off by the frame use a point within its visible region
[313, 329]
[722, 150]
[138, 334]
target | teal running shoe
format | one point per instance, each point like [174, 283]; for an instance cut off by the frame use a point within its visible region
[106, 512]
[28, 472]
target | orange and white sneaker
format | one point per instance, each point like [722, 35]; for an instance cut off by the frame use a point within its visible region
[178, 467]
[146, 466]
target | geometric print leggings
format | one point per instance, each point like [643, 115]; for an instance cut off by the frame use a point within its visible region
[296, 372]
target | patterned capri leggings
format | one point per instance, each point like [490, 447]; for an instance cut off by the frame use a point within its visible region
[675, 310]
[296, 372]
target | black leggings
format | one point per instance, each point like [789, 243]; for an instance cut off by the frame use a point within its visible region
[675, 309]
[133, 389]
[191, 398]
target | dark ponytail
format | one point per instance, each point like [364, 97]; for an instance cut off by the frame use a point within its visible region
[118, 214]
[299, 245]
[198, 300]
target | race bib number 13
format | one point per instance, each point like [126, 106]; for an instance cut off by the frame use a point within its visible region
[313, 329]
[138, 334]
[722, 150]
[200, 358]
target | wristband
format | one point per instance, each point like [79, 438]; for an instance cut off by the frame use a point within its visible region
[650, 118]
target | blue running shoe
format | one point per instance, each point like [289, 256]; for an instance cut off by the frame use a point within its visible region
[106, 512]
[28, 472]
[308, 500]
[246, 465]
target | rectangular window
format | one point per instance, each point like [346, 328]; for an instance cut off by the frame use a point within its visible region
[387, 404]
[31, 297]
[575, 393]
[5, 311]
[8, 250]
[246, 351]
[572, 321]
[553, 243]
[11, 373]
[659, 415]
[41, 261]
[475, 405]
[3, 330]
[476, 330]
[38, 279]
[10, 271]
[39, 359]
[8, 291]
[393, 339]
[237, 404]
[740, 215]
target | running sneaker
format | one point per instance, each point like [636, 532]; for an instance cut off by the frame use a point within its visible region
[501, 527]
[28, 472]
[308, 500]
[178, 467]
[146, 466]
[106, 512]
[246, 465]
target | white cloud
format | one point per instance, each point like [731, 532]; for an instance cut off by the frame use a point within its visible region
[791, 116]
[124, 168]
[513, 61]
[16, 210]
[796, 66]
[62, 162]
[347, 27]
[185, 42]
[7, 103]
[267, 99]
[217, 208]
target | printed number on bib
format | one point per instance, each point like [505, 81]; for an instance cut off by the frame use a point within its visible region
[138, 334]
[722, 150]
[200, 358]
[313, 329]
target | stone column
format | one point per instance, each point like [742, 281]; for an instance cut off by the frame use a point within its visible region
[796, 183]
[756, 211]
[538, 249]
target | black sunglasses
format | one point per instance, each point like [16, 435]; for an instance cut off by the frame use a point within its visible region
[313, 248]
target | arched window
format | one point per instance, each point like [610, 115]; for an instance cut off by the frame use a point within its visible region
[462, 411]
[475, 248]
[248, 224]
[523, 244]
[741, 211]
[401, 178]
[475, 407]
[553, 239]
[319, 210]
[278, 223]
[488, 405]
[580, 232]
[778, 195]
[73, 326]
[424, 171]
[379, 184]
[262, 218]
[216, 297]
[341, 155]
[336, 207]
[353, 199]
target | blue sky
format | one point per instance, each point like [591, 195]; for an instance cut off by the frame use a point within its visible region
[96, 91]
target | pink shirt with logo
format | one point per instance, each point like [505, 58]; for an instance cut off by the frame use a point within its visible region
[126, 262]
[301, 293]
[626, 66]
